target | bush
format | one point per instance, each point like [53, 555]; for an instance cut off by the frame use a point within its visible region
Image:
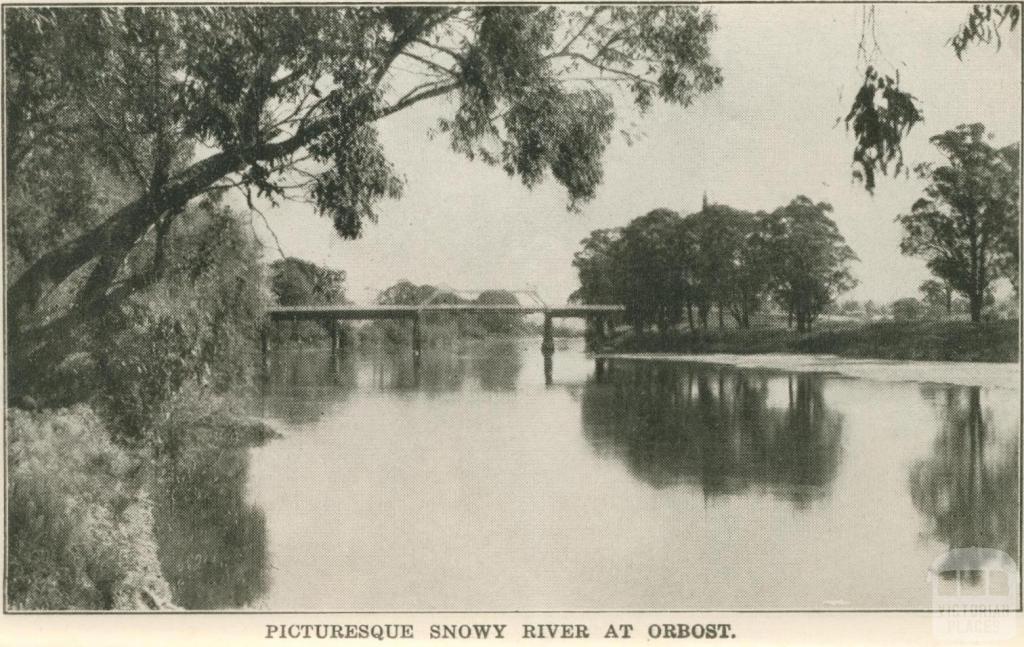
[80, 530]
[907, 309]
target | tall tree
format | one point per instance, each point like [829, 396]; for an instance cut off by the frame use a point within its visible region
[655, 269]
[178, 103]
[809, 259]
[296, 282]
[499, 323]
[965, 225]
[598, 265]
[728, 260]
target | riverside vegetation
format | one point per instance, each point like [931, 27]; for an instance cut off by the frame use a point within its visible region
[792, 264]
[135, 290]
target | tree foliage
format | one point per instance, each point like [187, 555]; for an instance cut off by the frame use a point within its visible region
[295, 282]
[938, 294]
[966, 224]
[597, 264]
[172, 104]
[654, 284]
[881, 116]
[809, 259]
[663, 267]
[499, 323]
[728, 261]
[984, 24]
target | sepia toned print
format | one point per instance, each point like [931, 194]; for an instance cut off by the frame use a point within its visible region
[514, 308]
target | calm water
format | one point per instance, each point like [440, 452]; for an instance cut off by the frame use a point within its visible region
[469, 484]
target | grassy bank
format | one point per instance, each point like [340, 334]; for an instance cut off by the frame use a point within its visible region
[80, 520]
[904, 340]
[85, 513]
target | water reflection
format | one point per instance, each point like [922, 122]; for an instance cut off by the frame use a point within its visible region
[301, 383]
[212, 543]
[298, 384]
[967, 487]
[714, 427]
[497, 364]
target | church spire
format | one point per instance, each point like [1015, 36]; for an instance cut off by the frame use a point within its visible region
[705, 205]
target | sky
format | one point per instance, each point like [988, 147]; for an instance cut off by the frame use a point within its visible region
[766, 135]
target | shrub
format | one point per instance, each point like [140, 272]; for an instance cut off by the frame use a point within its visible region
[80, 530]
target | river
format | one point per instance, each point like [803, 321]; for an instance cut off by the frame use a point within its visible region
[470, 484]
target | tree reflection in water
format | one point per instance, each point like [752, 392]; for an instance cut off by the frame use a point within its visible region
[712, 427]
[212, 543]
[968, 487]
[299, 384]
[497, 363]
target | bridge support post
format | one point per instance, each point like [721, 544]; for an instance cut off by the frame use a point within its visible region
[265, 346]
[332, 325]
[417, 335]
[599, 336]
[547, 347]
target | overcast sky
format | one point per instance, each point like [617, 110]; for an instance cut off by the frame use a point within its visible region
[765, 136]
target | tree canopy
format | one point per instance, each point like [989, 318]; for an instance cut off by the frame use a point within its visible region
[284, 102]
[809, 259]
[662, 266]
[296, 282]
[966, 224]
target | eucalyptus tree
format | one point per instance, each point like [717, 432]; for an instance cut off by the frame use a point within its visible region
[174, 104]
[296, 282]
[598, 265]
[808, 257]
[966, 224]
[728, 257]
[655, 269]
[499, 323]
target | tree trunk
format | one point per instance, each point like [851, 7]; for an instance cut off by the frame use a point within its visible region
[976, 302]
[721, 319]
[802, 320]
[689, 315]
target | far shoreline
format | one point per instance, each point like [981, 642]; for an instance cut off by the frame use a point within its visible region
[1003, 375]
[916, 340]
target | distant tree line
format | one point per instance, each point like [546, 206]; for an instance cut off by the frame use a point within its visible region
[666, 268]
[448, 325]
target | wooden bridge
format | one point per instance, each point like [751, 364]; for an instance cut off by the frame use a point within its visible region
[599, 314]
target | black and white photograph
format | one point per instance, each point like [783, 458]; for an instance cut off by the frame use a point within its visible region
[700, 310]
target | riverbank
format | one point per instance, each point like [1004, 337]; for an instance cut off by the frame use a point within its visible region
[88, 516]
[983, 374]
[890, 340]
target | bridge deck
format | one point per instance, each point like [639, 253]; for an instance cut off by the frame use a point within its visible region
[290, 313]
